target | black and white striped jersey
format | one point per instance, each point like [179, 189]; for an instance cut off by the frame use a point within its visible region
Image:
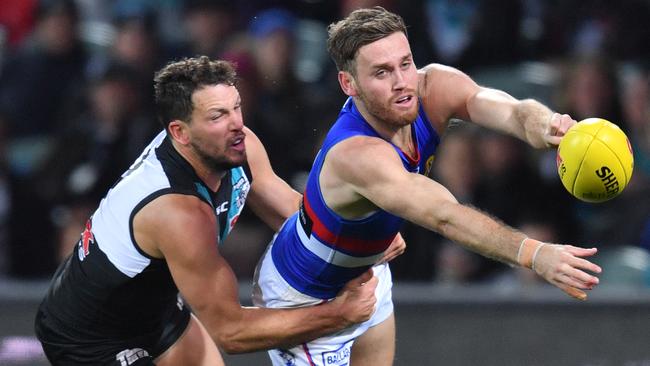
[109, 287]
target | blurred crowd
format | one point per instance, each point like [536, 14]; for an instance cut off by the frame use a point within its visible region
[76, 109]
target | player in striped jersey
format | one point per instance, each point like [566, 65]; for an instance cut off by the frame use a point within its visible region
[115, 301]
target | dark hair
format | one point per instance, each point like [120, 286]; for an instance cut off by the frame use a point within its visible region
[175, 84]
[361, 27]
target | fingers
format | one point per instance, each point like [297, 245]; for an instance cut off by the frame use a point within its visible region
[579, 279]
[371, 284]
[560, 124]
[365, 277]
[558, 127]
[581, 252]
[564, 268]
[586, 265]
[397, 247]
[574, 292]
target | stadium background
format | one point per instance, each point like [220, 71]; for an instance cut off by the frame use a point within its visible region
[75, 109]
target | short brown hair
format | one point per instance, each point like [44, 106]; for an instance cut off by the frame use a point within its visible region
[175, 83]
[361, 27]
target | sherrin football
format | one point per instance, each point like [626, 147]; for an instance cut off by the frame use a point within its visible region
[594, 160]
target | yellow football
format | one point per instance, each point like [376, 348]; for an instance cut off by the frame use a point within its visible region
[594, 160]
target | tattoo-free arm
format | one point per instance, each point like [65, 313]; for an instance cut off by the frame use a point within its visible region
[271, 198]
[183, 229]
[449, 93]
[427, 203]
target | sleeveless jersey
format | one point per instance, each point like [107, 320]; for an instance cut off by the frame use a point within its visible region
[109, 287]
[318, 251]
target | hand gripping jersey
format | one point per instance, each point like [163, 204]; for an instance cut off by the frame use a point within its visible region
[110, 288]
[318, 251]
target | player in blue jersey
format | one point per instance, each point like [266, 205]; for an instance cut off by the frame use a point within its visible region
[371, 174]
[115, 301]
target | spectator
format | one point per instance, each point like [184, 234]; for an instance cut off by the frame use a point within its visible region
[210, 25]
[39, 81]
[92, 153]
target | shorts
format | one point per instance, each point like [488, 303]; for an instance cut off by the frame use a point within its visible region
[270, 290]
[62, 345]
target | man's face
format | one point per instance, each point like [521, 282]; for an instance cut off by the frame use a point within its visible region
[386, 80]
[216, 130]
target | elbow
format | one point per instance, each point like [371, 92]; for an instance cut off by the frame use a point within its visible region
[443, 217]
[234, 348]
[231, 345]
[237, 340]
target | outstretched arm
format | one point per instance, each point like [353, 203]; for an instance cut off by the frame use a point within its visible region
[184, 235]
[449, 93]
[429, 204]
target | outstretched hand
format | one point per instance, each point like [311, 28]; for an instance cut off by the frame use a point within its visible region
[397, 247]
[357, 299]
[564, 267]
[558, 126]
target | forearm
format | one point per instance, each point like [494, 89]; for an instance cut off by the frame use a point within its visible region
[525, 119]
[480, 233]
[260, 329]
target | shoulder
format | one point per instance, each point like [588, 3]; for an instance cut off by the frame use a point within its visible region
[171, 219]
[360, 155]
[444, 92]
[435, 77]
[179, 208]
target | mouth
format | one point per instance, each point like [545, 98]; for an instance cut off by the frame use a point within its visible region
[404, 100]
[238, 143]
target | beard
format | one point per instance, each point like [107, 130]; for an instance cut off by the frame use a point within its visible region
[216, 163]
[384, 112]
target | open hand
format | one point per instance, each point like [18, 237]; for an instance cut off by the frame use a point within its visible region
[564, 267]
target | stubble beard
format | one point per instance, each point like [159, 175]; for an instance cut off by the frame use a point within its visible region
[385, 114]
[217, 164]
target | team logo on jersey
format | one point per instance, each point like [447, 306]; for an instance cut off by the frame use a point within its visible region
[223, 207]
[428, 165]
[241, 188]
[87, 238]
[130, 356]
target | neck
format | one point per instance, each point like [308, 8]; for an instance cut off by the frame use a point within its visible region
[209, 176]
[399, 135]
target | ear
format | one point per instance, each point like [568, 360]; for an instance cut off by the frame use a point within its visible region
[348, 84]
[179, 131]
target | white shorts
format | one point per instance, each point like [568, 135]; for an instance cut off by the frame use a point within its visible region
[270, 290]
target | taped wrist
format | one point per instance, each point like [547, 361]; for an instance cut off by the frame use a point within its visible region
[528, 250]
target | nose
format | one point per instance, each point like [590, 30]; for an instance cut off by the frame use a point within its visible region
[399, 82]
[237, 121]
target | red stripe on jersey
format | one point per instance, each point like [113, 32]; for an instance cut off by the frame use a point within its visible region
[357, 247]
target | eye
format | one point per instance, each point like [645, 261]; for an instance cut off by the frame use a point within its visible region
[216, 116]
[406, 64]
[380, 73]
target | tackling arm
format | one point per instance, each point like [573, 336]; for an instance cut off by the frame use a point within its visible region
[185, 237]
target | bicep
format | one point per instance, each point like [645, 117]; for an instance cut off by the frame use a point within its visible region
[390, 187]
[450, 93]
[187, 238]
